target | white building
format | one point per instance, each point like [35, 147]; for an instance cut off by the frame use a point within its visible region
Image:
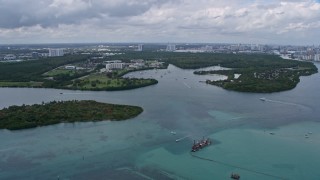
[208, 48]
[70, 67]
[140, 47]
[9, 57]
[55, 52]
[115, 65]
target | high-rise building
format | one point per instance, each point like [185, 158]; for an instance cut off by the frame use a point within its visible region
[35, 55]
[140, 47]
[317, 57]
[55, 52]
[171, 47]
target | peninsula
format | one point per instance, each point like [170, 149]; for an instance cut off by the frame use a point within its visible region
[258, 73]
[29, 116]
[76, 72]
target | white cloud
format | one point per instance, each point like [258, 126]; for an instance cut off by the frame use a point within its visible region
[251, 21]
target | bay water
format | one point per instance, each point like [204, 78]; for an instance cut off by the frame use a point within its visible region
[274, 139]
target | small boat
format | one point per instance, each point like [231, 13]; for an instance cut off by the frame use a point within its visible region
[306, 136]
[173, 132]
[235, 176]
[61, 93]
[263, 99]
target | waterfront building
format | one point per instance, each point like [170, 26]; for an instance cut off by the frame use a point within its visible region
[117, 64]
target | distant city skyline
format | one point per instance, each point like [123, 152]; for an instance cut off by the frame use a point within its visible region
[280, 22]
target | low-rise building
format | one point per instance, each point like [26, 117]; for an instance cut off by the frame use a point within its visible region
[155, 64]
[9, 57]
[116, 64]
[113, 61]
[70, 67]
[137, 61]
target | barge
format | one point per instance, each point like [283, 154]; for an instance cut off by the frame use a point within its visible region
[200, 144]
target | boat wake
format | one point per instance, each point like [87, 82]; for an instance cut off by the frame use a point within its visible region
[180, 139]
[7, 149]
[236, 166]
[285, 103]
[74, 93]
[187, 85]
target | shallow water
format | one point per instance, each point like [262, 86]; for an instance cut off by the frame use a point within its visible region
[275, 139]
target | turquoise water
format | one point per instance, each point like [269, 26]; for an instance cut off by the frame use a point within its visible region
[275, 139]
[255, 154]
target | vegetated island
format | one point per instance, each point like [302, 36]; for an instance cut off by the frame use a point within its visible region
[30, 116]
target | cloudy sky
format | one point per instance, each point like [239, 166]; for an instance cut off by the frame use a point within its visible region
[205, 21]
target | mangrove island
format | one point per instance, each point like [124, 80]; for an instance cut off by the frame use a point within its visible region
[29, 116]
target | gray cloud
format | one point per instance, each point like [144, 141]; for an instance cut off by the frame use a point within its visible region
[159, 20]
[46, 13]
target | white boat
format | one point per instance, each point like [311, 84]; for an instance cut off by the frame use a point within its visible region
[263, 99]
